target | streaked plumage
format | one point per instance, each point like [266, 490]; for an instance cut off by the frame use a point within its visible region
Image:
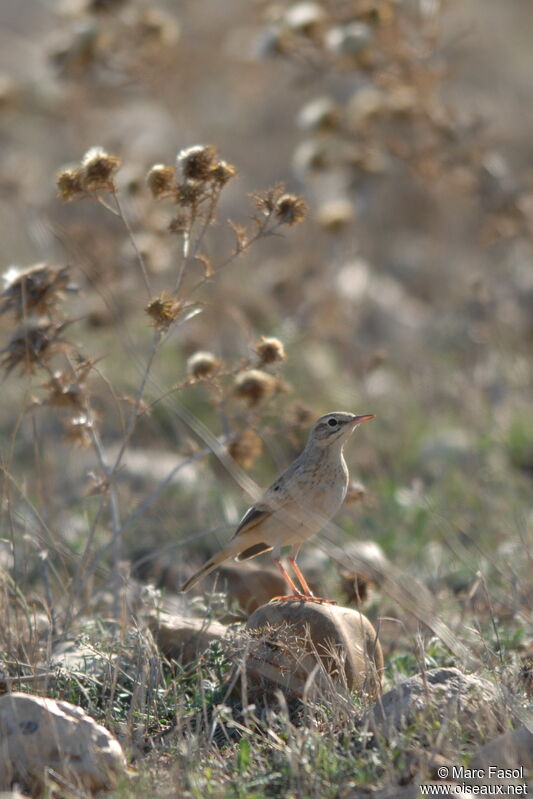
[298, 504]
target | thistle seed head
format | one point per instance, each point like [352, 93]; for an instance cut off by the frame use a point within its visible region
[163, 310]
[270, 350]
[246, 448]
[35, 289]
[202, 364]
[222, 173]
[290, 209]
[254, 385]
[195, 163]
[69, 184]
[161, 180]
[97, 169]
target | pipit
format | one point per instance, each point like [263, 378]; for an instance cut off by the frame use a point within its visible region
[296, 506]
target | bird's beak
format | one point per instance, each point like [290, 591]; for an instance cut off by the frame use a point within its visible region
[366, 417]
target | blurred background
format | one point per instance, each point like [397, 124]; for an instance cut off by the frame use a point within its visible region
[406, 292]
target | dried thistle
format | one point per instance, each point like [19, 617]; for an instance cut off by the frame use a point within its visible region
[69, 184]
[265, 201]
[305, 18]
[163, 310]
[202, 364]
[77, 430]
[356, 493]
[189, 195]
[37, 288]
[195, 163]
[319, 115]
[179, 224]
[98, 168]
[67, 389]
[334, 216]
[161, 180]
[242, 238]
[222, 173]
[246, 448]
[301, 416]
[33, 344]
[270, 350]
[290, 209]
[157, 28]
[254, 385]
[62, 392]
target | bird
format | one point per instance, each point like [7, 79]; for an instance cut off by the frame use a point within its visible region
[296, 506]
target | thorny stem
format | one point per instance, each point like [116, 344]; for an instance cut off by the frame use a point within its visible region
[109, 473]
[131, 237]
[187, 237]
[262, 232]
[190, 252]
[137, 402]
[116, 538]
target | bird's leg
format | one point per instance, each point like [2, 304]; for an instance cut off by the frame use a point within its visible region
[303, 582]
[301, 579]
[297, 596]
[290, 582]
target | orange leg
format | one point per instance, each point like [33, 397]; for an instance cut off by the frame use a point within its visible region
[301, 578]
[288, 579]
[303, 582]
[307, 596]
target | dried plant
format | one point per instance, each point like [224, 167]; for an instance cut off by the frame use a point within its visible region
[34, 290]
[33, 345]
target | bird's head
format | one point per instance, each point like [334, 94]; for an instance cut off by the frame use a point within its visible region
[336, 427]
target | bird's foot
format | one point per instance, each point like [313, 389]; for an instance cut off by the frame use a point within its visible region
[291, 598]
[321, 600]
[303, 598]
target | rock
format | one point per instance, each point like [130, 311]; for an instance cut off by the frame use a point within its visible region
[183, 638]
[467, 704]
[306, 649]
[12, 795]
[247, 584]
[365, 564]
[41, 738]
[71, 656]
[512, 750]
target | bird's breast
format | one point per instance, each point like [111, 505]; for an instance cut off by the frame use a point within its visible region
[322, 489]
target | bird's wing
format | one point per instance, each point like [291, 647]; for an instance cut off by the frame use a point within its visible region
[251, 518]
[274, 498]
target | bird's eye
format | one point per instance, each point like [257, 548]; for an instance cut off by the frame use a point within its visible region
[332, 422]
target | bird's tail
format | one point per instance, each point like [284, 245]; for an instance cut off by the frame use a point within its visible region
[232, 549]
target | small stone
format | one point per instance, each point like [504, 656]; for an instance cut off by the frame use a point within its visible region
[320, 114]
[184, 638]
[247, 584]
[365, 564]
[349, 40]
[41, 738]
[468, 705]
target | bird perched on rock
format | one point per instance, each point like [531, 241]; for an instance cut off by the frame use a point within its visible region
[297, 505]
